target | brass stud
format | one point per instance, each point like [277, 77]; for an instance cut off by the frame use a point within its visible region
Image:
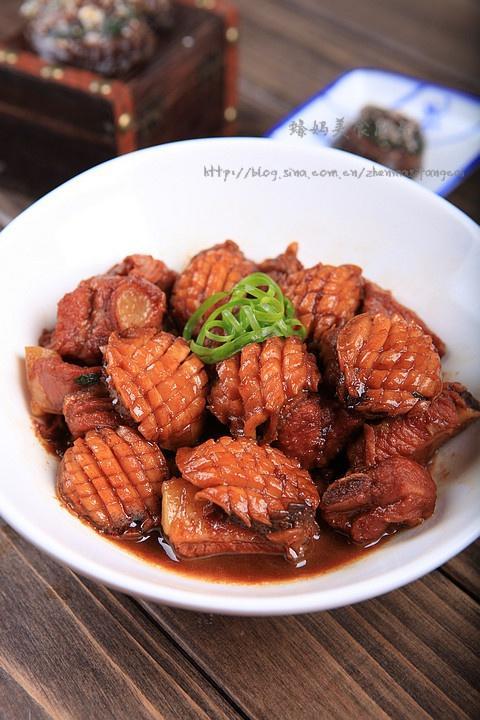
[232, 34]
[94, 86]
[57, 73]
[3, 55]
[11, 58]
[46, 71]
[125, 121]
[105, 88]
[230, 113]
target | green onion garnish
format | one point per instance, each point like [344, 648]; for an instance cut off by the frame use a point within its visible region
[88, 379]
[255, 310]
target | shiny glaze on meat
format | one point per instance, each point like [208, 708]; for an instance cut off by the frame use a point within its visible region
[419, 433]
[147, 267]
[252, 386]
[281, 267]
[256, 485]
[159, 383]
[314, 428]
[214, 270]
[371, 502]
[112, 479]
[330, 552]
[384, 365]
[377, 300]
[324, 296]
[377, 386]
[100, 305]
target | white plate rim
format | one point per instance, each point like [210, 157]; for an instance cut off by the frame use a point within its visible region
[247, 605]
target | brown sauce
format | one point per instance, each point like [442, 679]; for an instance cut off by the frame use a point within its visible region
[52, 433]
[330, 552]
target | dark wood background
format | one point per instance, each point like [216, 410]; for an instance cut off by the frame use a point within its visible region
[70, 649]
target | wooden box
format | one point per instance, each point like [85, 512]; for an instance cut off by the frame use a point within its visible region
[56, 121]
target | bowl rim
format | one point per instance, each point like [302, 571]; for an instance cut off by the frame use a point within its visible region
[305, 600]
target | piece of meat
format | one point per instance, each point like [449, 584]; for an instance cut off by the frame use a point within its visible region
[113, 479]
[324, 296]
[214, 270]
[368, 504]
[147, 267]
[385, 365]
[49, 379]
[160, 383]
[314, 428]
[195, 528]
[253, 385]
[281, 267]
[377, 300]
[53, 431]
[257, 484]
[100, 305]
[88, 409]
[419, 433]
[387, 137]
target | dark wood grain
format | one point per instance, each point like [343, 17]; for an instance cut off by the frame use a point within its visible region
[464, 570]
[72, 650]
[412, 653]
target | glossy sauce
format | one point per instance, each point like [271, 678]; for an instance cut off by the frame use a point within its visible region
[330, 552]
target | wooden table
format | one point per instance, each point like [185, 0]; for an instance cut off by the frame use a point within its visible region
[70, 649]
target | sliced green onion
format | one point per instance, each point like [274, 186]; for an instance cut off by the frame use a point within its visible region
[88, 379]
[255, 309]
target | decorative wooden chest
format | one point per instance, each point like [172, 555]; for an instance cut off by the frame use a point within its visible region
[56, 121]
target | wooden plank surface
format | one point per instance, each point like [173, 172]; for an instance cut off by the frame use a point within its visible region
[70, 649]
[412, 653]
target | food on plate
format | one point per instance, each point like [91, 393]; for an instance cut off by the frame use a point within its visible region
[147, 267]
[420, 432]
[370, 503]
[279, 268]
[196, 528]
[384, 365]
[252, 386]
[387, 137]
[297, 413]
[314, 428]
[160, 384]
[256, 484]
[254, 310]
[87, 316]
[49, 379]
[324, 296]
[377, 300]
[214, 270]
[105, 36]
[113, 479]
[89, 408]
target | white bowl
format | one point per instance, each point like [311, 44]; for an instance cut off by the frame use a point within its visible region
[160, 201]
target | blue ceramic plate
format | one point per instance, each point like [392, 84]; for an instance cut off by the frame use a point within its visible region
[450, 120]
